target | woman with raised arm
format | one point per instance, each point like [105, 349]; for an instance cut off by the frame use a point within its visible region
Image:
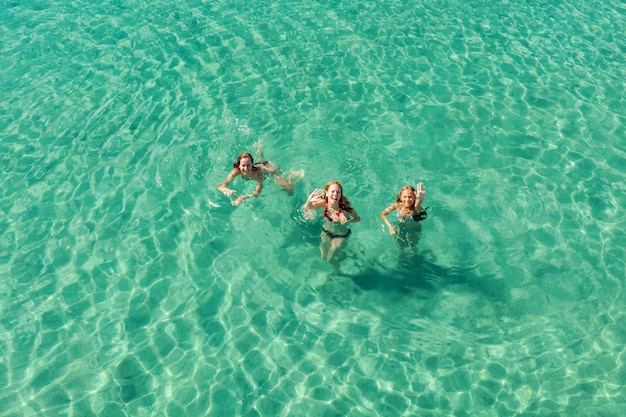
[337, 214]
[410, 213]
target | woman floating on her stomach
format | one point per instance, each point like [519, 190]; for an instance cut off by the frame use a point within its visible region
[409, 215]
[245, 166]
[337, 214]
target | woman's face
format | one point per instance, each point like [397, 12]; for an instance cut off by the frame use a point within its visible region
[245, 166]
[333, 194]
[407, 198]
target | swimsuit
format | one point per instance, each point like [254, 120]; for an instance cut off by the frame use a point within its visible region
[328, 215]
[332, 235]
[415, 216]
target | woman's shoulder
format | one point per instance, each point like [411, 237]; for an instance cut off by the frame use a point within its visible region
[234, 172]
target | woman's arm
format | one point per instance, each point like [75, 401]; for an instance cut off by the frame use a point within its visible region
[355, 217]
[420, 195]
[383, 215]
[223, 187]
[256, 193]
[314, 201]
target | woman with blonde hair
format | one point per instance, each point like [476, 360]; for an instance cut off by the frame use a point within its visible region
[409, 214]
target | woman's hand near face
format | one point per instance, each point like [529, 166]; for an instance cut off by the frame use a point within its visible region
[316, 196]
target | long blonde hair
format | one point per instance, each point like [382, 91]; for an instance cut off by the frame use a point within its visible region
[406, 187]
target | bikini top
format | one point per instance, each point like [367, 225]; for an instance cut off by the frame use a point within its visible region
[416, 216]
[327, 215]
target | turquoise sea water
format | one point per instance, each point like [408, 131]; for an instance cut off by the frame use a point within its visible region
[131, 287]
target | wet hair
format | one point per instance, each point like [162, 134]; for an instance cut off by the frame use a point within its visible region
[344, 204]
[406, 187]
[242, 156]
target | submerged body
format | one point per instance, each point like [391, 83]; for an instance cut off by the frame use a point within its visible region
[245, 167]
[409, 214]
[337, 214]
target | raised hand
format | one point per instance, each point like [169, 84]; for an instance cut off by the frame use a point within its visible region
[421, 191]
[315, 196]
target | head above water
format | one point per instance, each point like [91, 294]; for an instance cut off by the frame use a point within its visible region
[327, 187]
[244, 162]
[344, 204]
[406, 192]
[242, 156]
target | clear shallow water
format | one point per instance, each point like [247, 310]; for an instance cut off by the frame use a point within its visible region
[132, 287]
